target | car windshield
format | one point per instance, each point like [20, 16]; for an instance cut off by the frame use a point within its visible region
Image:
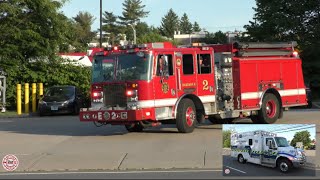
[123, 67]
[67, 92]
[282, 142]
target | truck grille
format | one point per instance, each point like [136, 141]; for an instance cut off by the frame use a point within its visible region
[115, 95]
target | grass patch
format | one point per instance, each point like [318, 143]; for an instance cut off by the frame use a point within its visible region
[8, 113]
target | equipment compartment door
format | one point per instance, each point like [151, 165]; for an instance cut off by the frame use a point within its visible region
[205, 77]
[186, 73]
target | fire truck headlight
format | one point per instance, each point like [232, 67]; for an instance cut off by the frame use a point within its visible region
[132, 95]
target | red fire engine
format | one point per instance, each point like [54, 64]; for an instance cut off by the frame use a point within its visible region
[145, 85]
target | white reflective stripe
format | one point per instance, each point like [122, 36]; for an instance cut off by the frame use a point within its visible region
[292, 92]
[209, 98]
[251, 95]
[288, 92]
[168, 102]
[156, 103]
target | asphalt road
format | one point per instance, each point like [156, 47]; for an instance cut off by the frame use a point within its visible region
[63, 143]
[249, 169]
[170, 174]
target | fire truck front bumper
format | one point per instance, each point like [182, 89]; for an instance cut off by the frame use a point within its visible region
[116, 116]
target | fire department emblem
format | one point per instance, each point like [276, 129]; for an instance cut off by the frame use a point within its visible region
[165, 87]
[178, 62]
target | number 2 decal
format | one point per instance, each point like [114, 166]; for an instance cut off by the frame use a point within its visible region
[113, 115]
[205, 85]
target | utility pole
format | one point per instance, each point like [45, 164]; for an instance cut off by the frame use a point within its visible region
[134, 33]
[100, 23]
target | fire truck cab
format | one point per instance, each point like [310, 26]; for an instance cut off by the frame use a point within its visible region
[145, 85]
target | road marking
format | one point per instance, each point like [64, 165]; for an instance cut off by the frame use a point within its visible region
[236, 169]
[112, 172]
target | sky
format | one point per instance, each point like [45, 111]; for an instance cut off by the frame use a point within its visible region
[288, 130]
[213, 15]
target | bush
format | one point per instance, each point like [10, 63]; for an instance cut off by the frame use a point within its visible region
[50, 73]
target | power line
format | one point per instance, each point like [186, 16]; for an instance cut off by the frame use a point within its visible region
[295, 129]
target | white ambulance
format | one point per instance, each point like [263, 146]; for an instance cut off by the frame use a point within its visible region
[265, 148]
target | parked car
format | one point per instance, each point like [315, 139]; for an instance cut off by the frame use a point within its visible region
[61, 99]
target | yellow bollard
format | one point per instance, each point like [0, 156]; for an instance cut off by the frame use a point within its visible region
[26, 97]
[19, 99]
[34, 97]
[40, 89]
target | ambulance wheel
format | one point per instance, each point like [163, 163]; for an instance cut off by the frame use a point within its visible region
[270, 109]
[241, 159]
[134, 127]
[284, 165]
[186, 116]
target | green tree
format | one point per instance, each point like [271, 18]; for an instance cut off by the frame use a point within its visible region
[302, 136]
[296, 20]
[111, 26]
[151, 37]
[196, 27]
[169, 24]
[215, 38]
[82, 28]
[31, 34]
[226, 139]
[185, 24]
[133, 12]
[31, 28]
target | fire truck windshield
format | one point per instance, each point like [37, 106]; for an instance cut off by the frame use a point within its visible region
[282, 142]
[122, 67]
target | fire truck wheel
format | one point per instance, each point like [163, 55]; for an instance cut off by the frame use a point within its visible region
[186, 116]
[270, 109]
[134, 127]
[284, 165]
